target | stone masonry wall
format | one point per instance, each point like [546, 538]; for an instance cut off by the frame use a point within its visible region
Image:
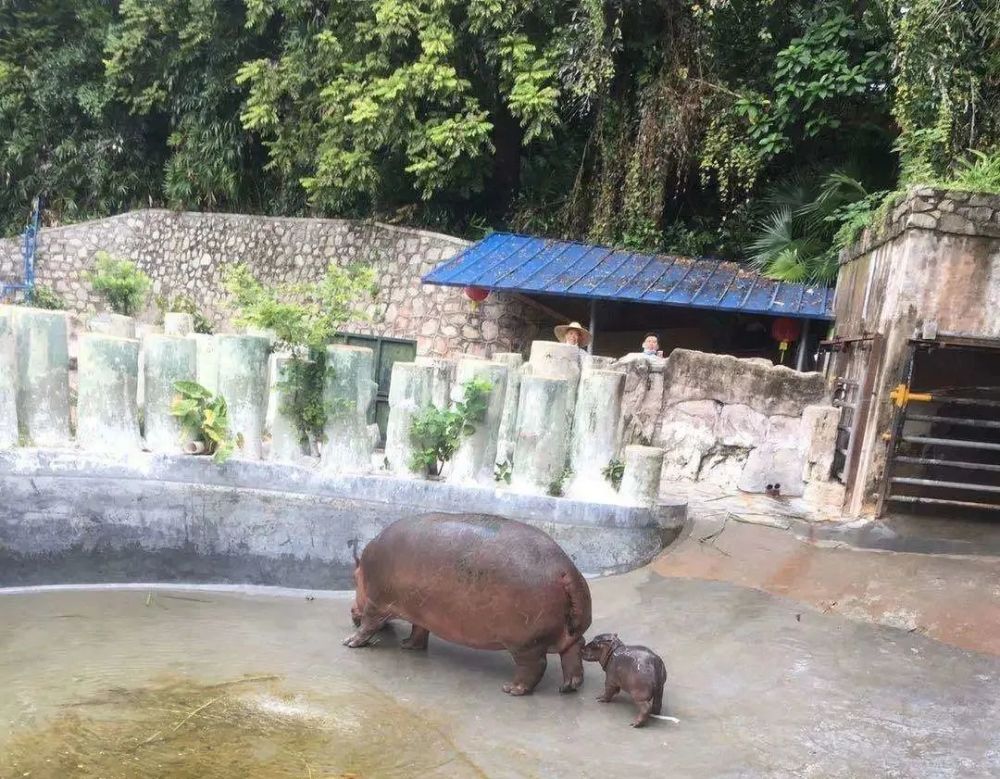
[187, 254]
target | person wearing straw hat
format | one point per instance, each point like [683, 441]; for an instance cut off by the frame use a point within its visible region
[574, 334]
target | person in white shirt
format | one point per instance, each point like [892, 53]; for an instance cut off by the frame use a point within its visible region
[651, 345]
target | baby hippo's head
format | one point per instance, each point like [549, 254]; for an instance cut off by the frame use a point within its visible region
[600, 648]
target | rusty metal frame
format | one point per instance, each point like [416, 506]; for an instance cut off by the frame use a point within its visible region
[896, 428]
[904, 398]
[862, 406]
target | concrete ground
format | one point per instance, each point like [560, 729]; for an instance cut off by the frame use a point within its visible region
[952, 599]
[767, 680]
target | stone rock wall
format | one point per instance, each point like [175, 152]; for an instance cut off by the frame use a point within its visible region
[188, 253]
[741, 424]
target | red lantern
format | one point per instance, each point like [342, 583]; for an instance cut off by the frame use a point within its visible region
[477, 295]
[785, 331]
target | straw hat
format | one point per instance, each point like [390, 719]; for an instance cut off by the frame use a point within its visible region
[561, 331]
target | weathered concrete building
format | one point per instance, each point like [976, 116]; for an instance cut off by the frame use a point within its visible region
[916, 356]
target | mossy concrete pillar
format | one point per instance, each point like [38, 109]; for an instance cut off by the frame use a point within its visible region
[8, 380]
[206, 361]
[175, 323]
[641, 481]
[475, 458]
[349, 394]
[142, 331]
[508, 420]
[166, 359]
[243, 383]
[286, 440]
[595, 438]
[117, 325]
[107, 415]
[409, 394]
[555, 360]
[42, 376]
[441, 381]
[541, 448]
[276, 377]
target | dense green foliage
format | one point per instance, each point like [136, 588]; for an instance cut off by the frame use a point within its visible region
[765, 129]
[204, 418]
[436, 433]
[304, 319]
[120, 282]
[613, 472]
[43, 297]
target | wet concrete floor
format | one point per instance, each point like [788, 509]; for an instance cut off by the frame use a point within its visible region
[952, 599]
[763, 687]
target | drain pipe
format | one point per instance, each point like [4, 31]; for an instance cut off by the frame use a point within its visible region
[593, 325]
[800, 357]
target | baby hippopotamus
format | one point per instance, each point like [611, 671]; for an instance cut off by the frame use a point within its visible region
[636, 669]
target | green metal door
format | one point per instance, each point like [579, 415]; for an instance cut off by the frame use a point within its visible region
[387, 351]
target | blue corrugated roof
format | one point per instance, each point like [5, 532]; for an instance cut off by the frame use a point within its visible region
[520, 263]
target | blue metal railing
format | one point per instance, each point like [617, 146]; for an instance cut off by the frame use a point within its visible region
[29, 243]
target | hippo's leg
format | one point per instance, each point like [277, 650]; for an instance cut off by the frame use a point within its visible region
[372, 621]
[610, 691]
[643, 716]
[417, 639]
[572, 668]
[529, 672]
[657, 701]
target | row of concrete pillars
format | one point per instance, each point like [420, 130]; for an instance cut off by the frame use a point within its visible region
[552, 423]
[125, 388]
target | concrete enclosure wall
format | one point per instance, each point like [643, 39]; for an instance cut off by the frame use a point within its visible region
[934, 263]
[187, 254]
[74, 518]
[739, 423]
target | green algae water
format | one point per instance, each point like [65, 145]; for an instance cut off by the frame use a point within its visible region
[117, 685]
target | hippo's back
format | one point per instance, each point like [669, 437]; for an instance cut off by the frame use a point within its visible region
[477, 579]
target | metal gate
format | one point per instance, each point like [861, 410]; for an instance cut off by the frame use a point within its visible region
[944, 443]
[854, 365]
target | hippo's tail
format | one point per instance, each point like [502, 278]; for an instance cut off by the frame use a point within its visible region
[577, 610]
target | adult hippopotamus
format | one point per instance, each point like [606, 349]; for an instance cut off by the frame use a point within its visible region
[481, 581]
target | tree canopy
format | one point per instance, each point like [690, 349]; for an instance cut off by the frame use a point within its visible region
[769, 130]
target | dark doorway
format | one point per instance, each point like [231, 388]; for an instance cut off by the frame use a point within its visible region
[944, 448]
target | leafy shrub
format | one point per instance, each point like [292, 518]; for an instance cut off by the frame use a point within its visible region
[304, 319]
[558, 485]
[43, 297]
[436, 433]
[181, 304]
[302, 398]
[121, 283]
[614, 471]
[503, 471]
[205, 418]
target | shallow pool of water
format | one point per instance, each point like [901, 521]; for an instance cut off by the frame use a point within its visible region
[197, 684]
[168, 682]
